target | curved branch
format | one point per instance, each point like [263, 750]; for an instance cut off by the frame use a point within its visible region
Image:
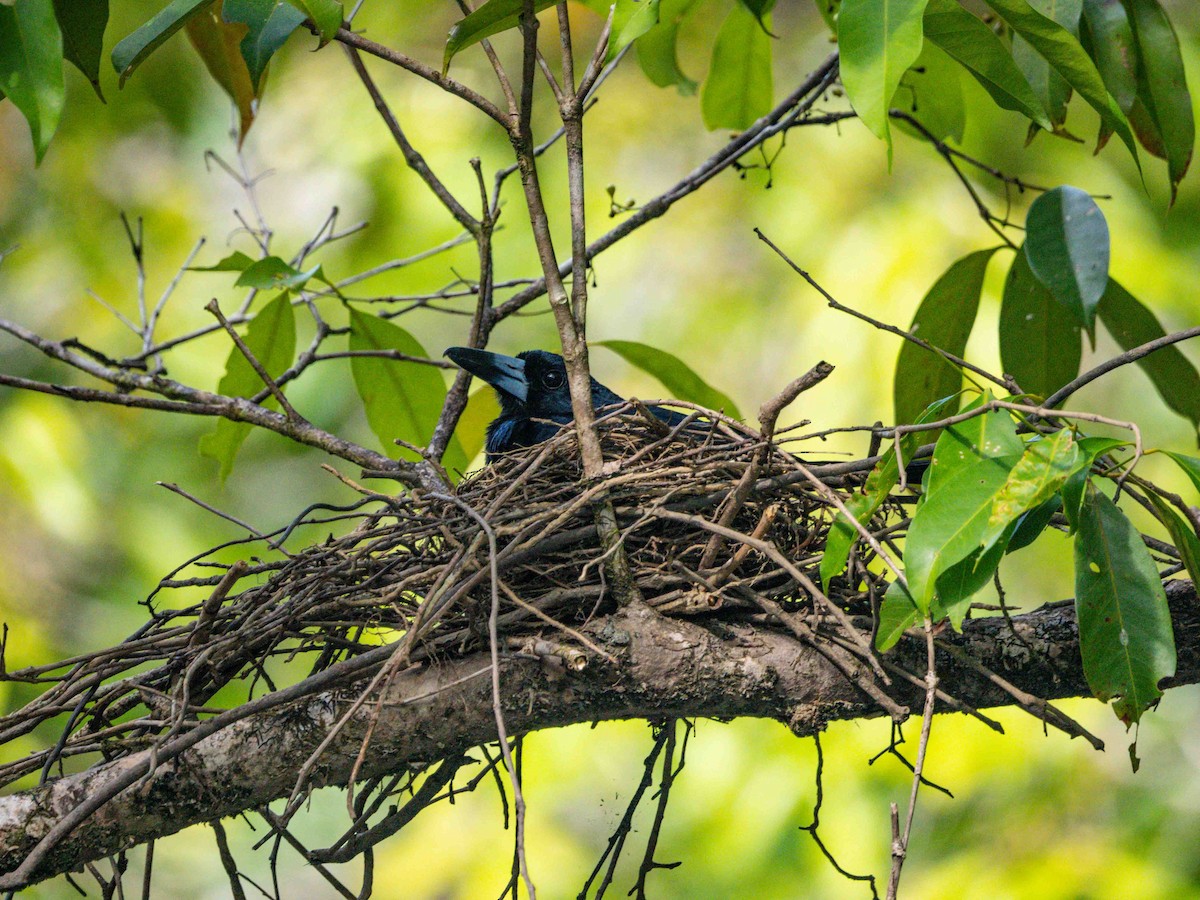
[667, 668]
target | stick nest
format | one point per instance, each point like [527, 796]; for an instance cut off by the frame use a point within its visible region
[416, 569]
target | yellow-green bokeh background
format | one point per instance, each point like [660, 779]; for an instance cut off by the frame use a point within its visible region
[85, 533]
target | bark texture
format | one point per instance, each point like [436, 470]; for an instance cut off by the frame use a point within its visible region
[666, 667]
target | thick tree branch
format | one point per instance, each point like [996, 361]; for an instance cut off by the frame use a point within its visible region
[667, 668]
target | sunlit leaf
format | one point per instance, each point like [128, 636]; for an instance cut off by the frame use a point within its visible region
[1125, 634]
[218, 43]
[132, 50]
[631, 20]
[269, 24]
[1067, 246]
[977, 48]
[82, 23]
[402, 399]
[1068, 58]
[677, 377]
[897, 614]
[944, 319]
[842, 535]
[272, 272]
[1040, 340]
[990, 435]
[1131, 324]
[271, 338]
[1037, 476]
[878, 40]
[1163, 86]
[931, 92]
[656, 49]
[491, 18]
[31, 75]
[738, 90]
[326, 15]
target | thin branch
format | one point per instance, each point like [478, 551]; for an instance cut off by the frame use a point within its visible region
[1129, 356]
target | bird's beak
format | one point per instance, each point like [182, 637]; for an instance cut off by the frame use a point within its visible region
[504, 373]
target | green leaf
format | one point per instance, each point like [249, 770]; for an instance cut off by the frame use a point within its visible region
[1125, 634]
[878, 41]
[990, 435]
[218, 44]
[1031, 524]
[944, 319]
[82, 23]
[1050, 87]
[656, 49]
[842, 535]
[1113, 49]
[948, 528]
[1038, 475]
[977, 48]
[738, 89]
[402, 399]
[237, 261]
[1074, 489]
[132, 50]
[1068, 58]
[1163, 86]
[1131, 324]
[490, 18]
[1040, 341]
[631, 19]
[272, 272]
[1182, 536]
[471, 431]
[1189, 464]
[271, 337]
[759, 9]
[1067, 245]
[326, 15]
[897, 614]
[674, 373]
[31, 75]
[931, 92]
[270, 23]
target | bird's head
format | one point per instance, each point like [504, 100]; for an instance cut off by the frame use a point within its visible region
[532, 384]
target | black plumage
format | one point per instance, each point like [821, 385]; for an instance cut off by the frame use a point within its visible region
[535, 401]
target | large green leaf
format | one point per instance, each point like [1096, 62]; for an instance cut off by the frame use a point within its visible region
[656, 49]
[988, 436]
[944, 319]
[1068, 58]
[676, 376]
[491, 18]
[1163, 86]
[1038, 475]
[977, 48]
[269, 24]
[1067, 246]
[1113, 49]
[947, 529]
[1125, 634]
[1040, 341]
[326, 15]
[271, 337]
[218, 43]
[878, 40]
[1050, 87]
[931, 92]
[31, 75]
[132, 50]
[738, 89]
[1131, 324]
[402, 399]
[631, 20]
[82, 23]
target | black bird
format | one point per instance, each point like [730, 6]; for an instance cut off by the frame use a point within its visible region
[532, 386]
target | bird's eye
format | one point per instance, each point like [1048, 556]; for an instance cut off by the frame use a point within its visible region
[552, 379]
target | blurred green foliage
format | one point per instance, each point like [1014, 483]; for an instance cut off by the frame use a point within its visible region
[86, 532]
